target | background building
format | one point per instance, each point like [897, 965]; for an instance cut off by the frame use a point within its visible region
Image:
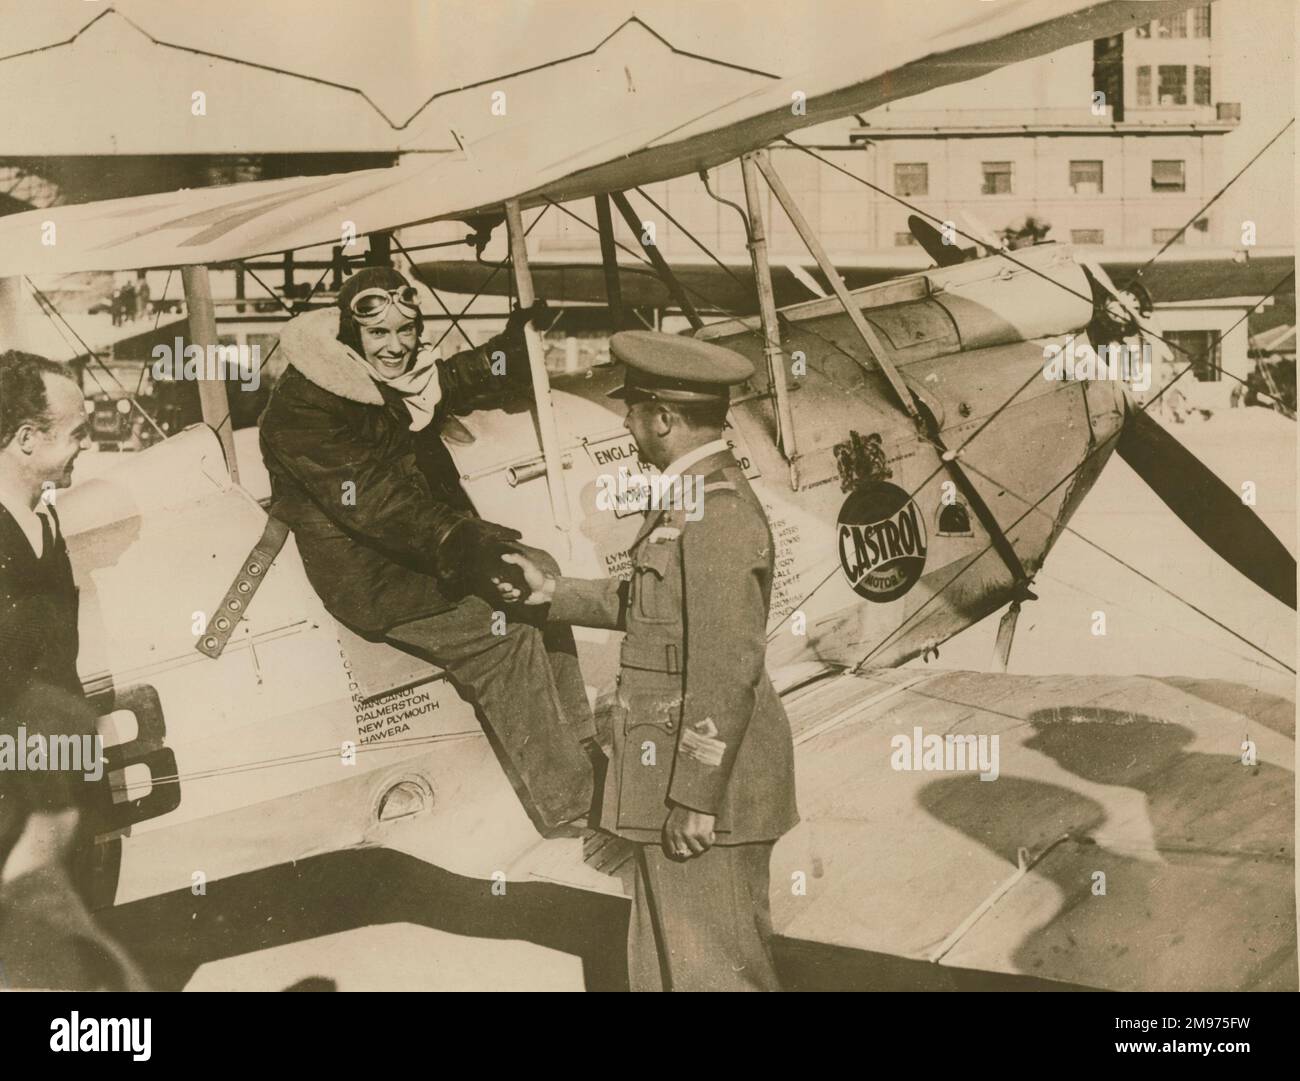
[1113, 145]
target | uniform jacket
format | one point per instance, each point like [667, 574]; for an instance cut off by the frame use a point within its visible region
[698, 722]
[380, 518]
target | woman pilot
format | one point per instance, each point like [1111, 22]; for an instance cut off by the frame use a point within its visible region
[388, 537]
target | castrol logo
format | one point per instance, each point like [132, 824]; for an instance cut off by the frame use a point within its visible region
[882, 541]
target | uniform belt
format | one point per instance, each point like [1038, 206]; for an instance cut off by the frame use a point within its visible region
[234, 605]
[651, 657]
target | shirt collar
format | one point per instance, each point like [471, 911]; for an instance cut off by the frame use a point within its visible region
[26, 517]
[680, 465]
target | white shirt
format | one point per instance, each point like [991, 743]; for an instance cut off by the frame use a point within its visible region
[28, 520]
[680, 465]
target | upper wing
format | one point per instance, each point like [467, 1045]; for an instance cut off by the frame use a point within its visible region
[1129, 840]
[626, 128]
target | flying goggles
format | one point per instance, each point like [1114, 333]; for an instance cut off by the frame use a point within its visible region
[371, 305]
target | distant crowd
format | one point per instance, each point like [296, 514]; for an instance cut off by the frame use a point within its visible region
[130, 301]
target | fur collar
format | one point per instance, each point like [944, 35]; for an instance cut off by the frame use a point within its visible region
[309, 343]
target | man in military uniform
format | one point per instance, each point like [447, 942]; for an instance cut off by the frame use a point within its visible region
[703, 770]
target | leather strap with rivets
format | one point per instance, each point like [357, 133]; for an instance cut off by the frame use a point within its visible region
[234, 605]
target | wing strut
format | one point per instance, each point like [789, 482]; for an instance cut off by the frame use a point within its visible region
[926, 425]
[776, 370]
[549, 434]
[203, 333]
[1006, 635]
[865, 330]
[13, 317]
[609, 260]
[661, 266]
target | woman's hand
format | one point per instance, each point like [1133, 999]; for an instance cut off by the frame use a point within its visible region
[521, 317]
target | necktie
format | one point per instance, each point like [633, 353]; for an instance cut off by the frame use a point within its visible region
[47, 537]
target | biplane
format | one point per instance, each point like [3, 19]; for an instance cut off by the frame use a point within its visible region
[1139, 833]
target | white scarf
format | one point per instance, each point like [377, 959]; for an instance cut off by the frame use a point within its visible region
[309, 342]
[419, 385]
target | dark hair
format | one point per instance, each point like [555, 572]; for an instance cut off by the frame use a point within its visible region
[711, 415]
[22, 392]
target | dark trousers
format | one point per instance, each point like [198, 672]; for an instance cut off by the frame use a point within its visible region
[702, 924]
[528, 690]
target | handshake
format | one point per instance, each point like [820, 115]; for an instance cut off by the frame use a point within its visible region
[529, 584]
[481, 557]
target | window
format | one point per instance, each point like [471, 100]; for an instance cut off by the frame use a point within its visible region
[1175, 26]
[1201, 348]
[1108, 74]
[1085, 177]
[1173, 84]
[1164, 236]
[1087, 236]
[1201, 21]
[912, 178]
[1144, 31]
[904, 240]
[997, 178]
[1168, 176]
[1201, 86]
[1144, 85]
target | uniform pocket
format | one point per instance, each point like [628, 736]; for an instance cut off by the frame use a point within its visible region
[656, 599]
[649, 743]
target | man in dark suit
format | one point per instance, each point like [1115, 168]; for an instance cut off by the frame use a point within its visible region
[47, 937]
[703, 770]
